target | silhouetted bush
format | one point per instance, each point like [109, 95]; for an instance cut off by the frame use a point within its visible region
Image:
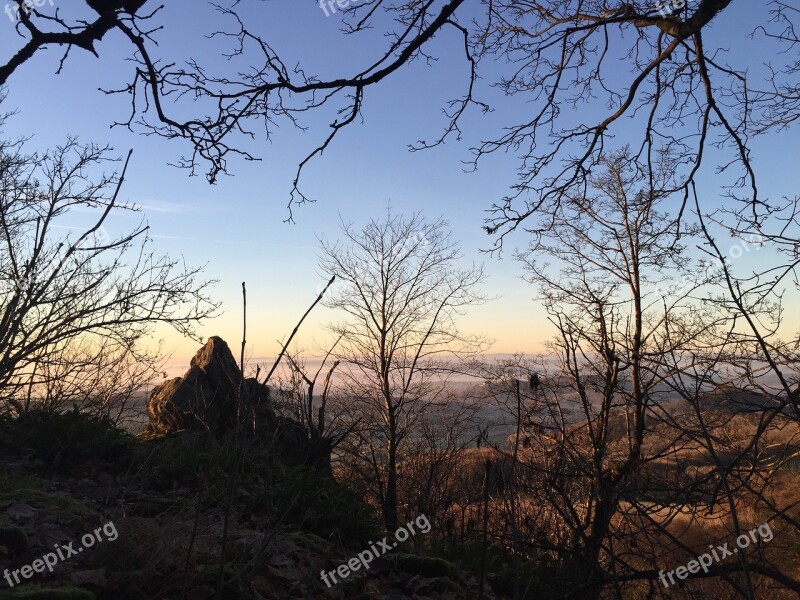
[305, 500]
[534, 575]
[64, 438]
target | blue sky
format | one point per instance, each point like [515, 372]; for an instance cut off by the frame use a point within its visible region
[237, 226]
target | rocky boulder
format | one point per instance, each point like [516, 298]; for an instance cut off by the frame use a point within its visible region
[207, 397]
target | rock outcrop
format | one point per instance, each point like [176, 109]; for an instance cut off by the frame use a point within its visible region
[207, 397]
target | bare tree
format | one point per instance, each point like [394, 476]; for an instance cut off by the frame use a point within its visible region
[85, 289]
[637, 435]
[98, 376]
[401, 291]
[265, 95]
[434, 466]
[672, 85]
[322, 422]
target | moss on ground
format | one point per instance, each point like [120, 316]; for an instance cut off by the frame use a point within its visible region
[309, 541]
[426, 566]
[50, 504]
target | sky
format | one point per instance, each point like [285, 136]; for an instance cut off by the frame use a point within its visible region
[237, 227]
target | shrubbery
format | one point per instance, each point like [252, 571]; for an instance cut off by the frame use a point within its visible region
[64, 438]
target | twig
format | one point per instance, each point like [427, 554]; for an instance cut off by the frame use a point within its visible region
[241, 432]
[296, 328]
[485, 527]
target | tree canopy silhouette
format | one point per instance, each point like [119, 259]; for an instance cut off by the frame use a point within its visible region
[615, 61]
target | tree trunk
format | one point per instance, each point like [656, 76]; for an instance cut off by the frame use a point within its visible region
[390, 509]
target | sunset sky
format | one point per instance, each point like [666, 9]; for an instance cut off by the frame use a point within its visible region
[237, 226]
